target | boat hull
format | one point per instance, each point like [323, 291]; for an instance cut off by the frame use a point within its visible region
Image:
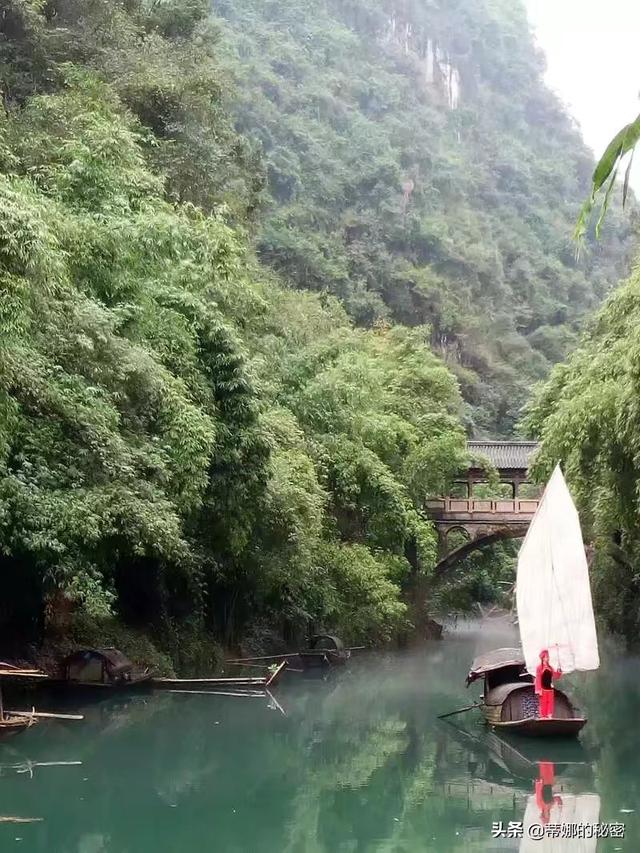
[120, 686]
[323, 658]
[514, 707]
[537, 727]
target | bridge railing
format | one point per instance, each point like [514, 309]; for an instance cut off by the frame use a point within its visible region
[471, 506]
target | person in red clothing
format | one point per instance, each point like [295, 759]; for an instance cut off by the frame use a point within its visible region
[545, 798]
[545, 674]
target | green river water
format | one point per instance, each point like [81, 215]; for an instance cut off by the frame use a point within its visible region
[357, 762]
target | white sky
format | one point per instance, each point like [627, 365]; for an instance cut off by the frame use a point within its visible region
[593, 59]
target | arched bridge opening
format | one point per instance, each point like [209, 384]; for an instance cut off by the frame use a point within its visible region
[483, 538]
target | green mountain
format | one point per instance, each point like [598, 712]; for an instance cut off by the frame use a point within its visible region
[420, 170]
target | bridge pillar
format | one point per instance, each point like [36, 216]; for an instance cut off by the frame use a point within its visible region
[514, 482]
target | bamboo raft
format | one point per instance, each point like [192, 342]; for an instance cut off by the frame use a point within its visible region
[207, 684]
[15, 722]
[324, 650]
[11, 723]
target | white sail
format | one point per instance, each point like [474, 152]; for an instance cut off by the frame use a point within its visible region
[553, 595]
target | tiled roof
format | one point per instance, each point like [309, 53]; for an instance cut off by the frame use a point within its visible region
[505, 454]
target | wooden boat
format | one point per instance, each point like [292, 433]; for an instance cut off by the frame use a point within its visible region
[324, 650]
[509, 702]
[101, 669]
[555, 613]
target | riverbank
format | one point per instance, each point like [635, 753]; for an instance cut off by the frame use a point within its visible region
[174, 652]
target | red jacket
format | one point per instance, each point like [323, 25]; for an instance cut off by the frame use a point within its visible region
[541, 668]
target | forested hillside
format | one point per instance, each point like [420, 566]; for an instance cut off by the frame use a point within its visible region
[185, 443]
[419, 170]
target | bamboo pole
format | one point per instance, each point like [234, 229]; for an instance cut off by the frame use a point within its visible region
[161, 682]
[275, 675]
[21, 819]
[263, 666]
[459, 711]
[253, 694]
[290, 655]
[264, 657]
[23, 673]
[23, 766]
[45, 714]
[277, 705]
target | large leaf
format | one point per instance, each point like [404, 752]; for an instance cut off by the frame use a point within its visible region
[606, 169]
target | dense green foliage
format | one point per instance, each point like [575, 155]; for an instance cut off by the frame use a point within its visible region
[419, 169]
[184, 441]
[588, 417]
[195, 438]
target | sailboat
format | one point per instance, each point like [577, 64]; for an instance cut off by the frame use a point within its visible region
[555, 612]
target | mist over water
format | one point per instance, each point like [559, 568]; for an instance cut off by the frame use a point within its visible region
[359, 763]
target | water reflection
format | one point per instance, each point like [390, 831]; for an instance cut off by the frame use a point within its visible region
[545, 799]
[359, 763]
[569, 822]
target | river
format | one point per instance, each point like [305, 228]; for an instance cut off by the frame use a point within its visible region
[358, 762]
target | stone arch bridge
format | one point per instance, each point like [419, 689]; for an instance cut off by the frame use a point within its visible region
[483, 521]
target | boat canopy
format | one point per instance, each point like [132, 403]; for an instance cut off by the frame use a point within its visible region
[497, 659]
[326, 642]
[102, 665]
[498, 695]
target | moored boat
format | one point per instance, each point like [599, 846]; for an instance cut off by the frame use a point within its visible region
[106, 668]
[324, 650]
